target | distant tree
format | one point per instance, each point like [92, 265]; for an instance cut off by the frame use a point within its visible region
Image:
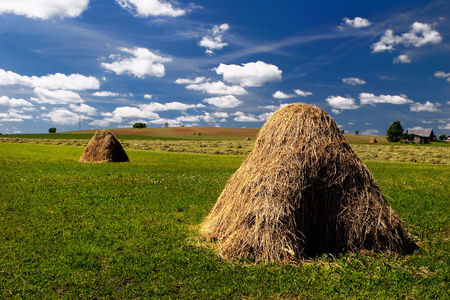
[139, 125]
[394, 132]
[166, 124]
[356, 132]
[442, 137]
[52, 130]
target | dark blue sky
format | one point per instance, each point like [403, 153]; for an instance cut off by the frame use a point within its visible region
[222, 63]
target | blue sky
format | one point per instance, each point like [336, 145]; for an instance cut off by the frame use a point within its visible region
[112, 63]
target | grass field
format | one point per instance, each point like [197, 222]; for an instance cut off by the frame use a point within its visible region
[128, 230]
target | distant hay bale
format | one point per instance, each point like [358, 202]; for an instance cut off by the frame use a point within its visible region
[104, 147]
[373, 140]
[248, 139]
[301, 192]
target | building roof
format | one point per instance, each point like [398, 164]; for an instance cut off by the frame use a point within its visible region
[421, 132]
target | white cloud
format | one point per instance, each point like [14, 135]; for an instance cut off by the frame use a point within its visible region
[339, 102]
[370, 132]
[446, 127]
[419, 35]
[228, 101]
[56, 97]
[13, 102]
[281, 95]
[249, 74]
[148, 96]
[154, 106]
[134, 112]
[220, 114]
[52, 81]
[441, 74]
[369, 98]
[44, 9]
[357, 22]
[197, 80]
[14, 115]
[105, 94]
[336, 111]
[427, 106]
[218, 88]
[402, 59]
[302, 93]
[243, 118]
[214, 42]
[353, 81]
[141, 63]
[83, 108]
[145, 8]
[62, 116]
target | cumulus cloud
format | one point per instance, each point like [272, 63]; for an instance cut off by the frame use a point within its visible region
[441, 74]
[370, 132]
[427, 106]
[353, 81]
[228, 101]
[105, 94]
[250, 118]
[419, 35]
[76, 82]
[44, 9]
[402, 59]
[218, 88]
[62, 116]
[214, 41]
[148, 96]
[140, 62]
[369, 98]
[249, 74]
[339, 102]
[446, 126]
[83, 109]
[197, 80]
[134, 112]
[357, 22]
[145, 8]
[14, 115]
[56, 97]
[13, 102]
[155, 106]
[281, 95]
[302, 93]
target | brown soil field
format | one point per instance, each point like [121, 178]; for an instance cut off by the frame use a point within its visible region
[212, 132]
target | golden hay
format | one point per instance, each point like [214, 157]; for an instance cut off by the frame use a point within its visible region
[373, 140]
[301, 192]
[104, 147]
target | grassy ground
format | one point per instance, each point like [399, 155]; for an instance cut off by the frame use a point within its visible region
[127, 230]
[394, 152]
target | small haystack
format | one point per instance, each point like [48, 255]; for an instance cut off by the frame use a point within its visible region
[373, 140]
[301, 192]
[248, 139]
[104, 147]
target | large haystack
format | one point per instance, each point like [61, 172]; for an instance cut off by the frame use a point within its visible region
[104, 147]
[300, 193]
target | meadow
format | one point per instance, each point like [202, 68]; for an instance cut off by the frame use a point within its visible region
[129, 230]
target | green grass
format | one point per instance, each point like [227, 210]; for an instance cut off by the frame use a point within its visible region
[127, 230]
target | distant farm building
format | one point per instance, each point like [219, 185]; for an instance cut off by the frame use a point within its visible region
[422, 136]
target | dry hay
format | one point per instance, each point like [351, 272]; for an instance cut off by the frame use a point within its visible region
[104, 147]
[301, 192]
[373, 140]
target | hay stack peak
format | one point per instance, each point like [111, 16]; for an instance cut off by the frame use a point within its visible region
[301, 192]
[104, 147]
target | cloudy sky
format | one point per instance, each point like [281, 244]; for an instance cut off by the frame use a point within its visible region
[112, 63]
